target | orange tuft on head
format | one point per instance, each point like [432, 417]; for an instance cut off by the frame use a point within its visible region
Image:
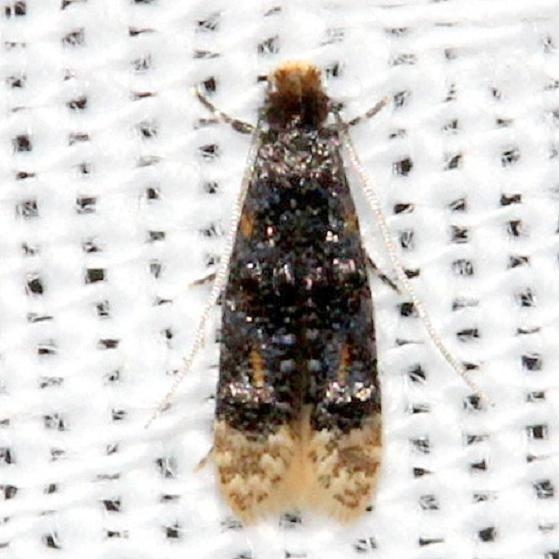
[297, 79]
[296, 96]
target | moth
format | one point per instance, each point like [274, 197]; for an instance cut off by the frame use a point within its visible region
[298, 408]
[298, 411]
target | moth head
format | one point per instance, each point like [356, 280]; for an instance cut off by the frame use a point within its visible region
[296, 97]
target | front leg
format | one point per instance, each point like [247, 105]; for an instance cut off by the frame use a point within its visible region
[238, 125]
[343, 126]
[382, 276]
[370, 113]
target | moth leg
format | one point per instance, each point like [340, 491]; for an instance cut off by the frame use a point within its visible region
[205, 460]
[343, 126]
[368, 114]
[208, 278]
[382, 276]
[238, 125]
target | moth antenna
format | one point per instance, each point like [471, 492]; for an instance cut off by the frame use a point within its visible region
[219, 282]
[392, 251]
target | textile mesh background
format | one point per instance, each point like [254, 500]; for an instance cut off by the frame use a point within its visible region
[116, 194]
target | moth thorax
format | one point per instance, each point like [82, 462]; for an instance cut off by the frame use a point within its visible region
[296, 97]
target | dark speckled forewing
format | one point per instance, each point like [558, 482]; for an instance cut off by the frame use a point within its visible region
[298, 357]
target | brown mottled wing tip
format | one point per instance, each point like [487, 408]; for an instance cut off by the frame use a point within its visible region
[343, 468]
[255, 471]
[327, 471]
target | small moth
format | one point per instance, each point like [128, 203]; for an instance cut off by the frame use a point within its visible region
[298, 413]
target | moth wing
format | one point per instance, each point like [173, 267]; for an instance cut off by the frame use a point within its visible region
[255, 472]
[342, 434]
[343, 467]
[259, 396]
[342, 437]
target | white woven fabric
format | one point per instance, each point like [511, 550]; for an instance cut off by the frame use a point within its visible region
[114, 197]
